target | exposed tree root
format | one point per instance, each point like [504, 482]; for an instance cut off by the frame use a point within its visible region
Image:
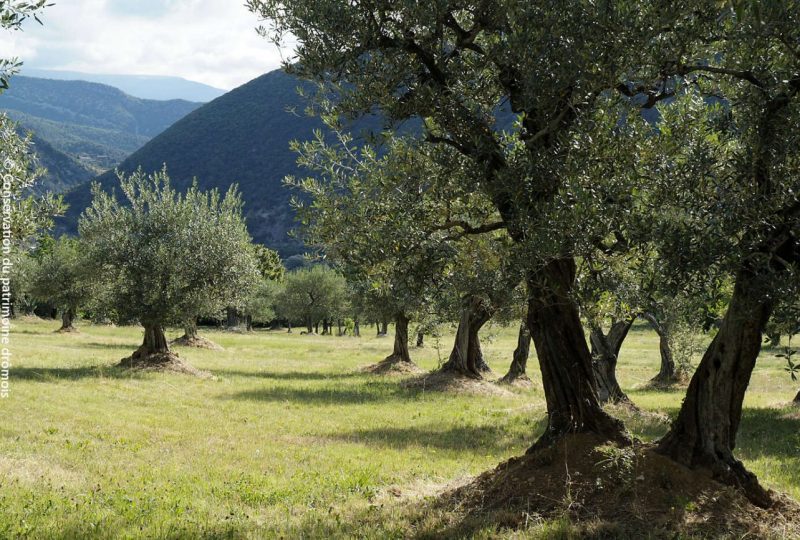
[392, 365]
[608, 491]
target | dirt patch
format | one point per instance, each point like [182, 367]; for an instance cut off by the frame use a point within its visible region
[162, 362]
[448, 381]
[608, 491]
[392, 366]
[197, 342]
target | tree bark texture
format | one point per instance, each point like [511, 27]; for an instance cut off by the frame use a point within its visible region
[605, 353]
[564, 357]
[666, 373]
[519, 362]
[466, 358]
[704, 433]
[400, 351]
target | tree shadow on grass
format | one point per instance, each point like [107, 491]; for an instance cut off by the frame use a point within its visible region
[485, 439]
[769, 432]
[72, 373]
[376, 392]
[287, 375]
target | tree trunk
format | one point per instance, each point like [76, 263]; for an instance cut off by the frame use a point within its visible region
[325, 327]
[605, 353]
[564, 357]
[339, 325]
[67, 318]
[309, 325]
[704, 433]
[666, 374]
[400, 352]
[154, 347]
[289, 327]
[797, 399]
[232, 318]
[466, 357]
[190, 330]
[519, 362]
[248, 319]
[384, 328]
[420, 338]
[316, 327]
[356, 329]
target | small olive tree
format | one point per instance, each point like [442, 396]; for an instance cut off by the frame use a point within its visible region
[60, 279]
[313, 295]
[170, 256]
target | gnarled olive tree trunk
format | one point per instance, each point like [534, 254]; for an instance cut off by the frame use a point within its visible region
[519, 362]
[67, 318]
[189, 330]
[356, 328]
[564, 357]
[400, 350]
[605, 353]
[420, 338]
[466, 358]
[666, 374]
[704, 433]
[154, 347]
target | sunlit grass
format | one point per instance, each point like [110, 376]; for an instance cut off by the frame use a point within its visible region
[289, 439]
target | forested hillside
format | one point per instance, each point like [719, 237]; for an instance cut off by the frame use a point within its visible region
[242, 137]
[94, 124]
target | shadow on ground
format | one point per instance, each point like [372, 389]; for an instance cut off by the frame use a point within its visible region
[287, 375]
[374, 392]
[72, 373]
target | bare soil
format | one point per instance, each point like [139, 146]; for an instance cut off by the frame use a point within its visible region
[611, 491]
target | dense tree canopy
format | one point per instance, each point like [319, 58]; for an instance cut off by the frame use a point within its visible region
[170, 257]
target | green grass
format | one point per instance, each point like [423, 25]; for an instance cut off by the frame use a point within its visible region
[289, 440]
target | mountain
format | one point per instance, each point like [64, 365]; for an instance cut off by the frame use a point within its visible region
[242, 137]
[141, 86]
[96, 125]
[63, 171]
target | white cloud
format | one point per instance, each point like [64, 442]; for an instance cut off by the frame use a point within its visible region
[209, 41]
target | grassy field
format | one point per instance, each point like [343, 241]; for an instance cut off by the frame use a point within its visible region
[289, 439]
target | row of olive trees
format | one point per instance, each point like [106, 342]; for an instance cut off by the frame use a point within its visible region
[535, 141]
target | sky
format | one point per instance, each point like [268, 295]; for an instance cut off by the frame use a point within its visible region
[208, 41]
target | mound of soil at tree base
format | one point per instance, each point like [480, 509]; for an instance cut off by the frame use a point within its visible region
[197, 342]
[69, 330]
[450, 381]
[162, 362]
[523, 381]
[392, 366]
[610, 491]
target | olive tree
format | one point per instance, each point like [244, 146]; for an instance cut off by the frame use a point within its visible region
[312, 295]
[457, 64]
[60, 279]
[169, 256]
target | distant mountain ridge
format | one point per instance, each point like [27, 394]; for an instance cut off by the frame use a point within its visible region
[94, 125]
[142, 86]
[242, 137]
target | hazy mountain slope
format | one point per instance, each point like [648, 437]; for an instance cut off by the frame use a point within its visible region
[91, 104]
[63, 171]
[242, 137]
[142, 86]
